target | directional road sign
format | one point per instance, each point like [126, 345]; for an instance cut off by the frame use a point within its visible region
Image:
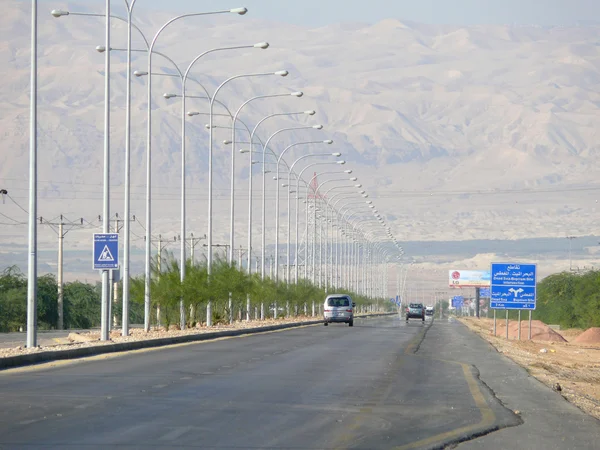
[513, 286]
[484, 292]
[106, 251]
[457, 301]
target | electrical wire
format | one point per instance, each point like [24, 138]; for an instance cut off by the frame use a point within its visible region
[15, 202]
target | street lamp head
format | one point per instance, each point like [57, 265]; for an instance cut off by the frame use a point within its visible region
[227, 142]
[244, 150]
[192, 113]
[282, 73]
[361, 192]
[353, 179]
[371, 206]
[358, 185]
[168, 96]
[140, 73]
[365, 195]
[297, 94]
[255, 162]
[100, 48]
[275, 178]
[262, 45]
[342, 162]
[329, 141]
[241, 11]
[59, 13]
[310, 112]
[318, 127]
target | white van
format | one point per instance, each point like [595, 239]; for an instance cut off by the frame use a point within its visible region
[338, 308]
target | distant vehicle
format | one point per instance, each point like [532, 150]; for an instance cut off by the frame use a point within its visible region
[415, 311]
[338, 308]
[429, 310]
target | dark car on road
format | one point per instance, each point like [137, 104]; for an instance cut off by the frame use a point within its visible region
[415, 311]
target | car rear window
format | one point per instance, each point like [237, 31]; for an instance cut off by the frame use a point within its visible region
[338, 301]
[416, 305]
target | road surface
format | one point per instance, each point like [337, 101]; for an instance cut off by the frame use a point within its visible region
[382, 384]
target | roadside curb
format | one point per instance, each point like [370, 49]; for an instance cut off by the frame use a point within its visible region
[55, 355]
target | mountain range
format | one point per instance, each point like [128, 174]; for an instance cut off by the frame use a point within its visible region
[455, 132]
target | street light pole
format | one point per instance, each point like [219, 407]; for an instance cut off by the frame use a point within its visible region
[337, 154]
[147, 271]
[264, 156]
[311, 113]
[127, 191]
[297, 94]
[282, 73]
[32, 258]
[297, 209]
[289, 228]
[182, 270]
[105, 306]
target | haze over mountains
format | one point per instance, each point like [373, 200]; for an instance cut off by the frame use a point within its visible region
[479, 132]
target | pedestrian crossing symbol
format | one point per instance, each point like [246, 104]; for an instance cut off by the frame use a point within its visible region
[106, 255]
[106, 251]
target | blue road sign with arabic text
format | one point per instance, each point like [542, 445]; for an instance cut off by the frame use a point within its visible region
[513, 286]
[457, 301]
[106, 251]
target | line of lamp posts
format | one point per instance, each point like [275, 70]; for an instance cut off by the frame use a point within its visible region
[360, 248]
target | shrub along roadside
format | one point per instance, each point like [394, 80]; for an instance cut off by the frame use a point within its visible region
[225, 280]
[571, 300]
[82, 300]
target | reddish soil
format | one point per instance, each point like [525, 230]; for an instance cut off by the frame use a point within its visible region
[589, 336]
[539, 331]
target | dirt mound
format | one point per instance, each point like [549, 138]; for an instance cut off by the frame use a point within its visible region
[589, 336]
[539, 331]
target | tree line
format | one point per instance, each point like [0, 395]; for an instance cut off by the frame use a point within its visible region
[82, 301]
[571, 300]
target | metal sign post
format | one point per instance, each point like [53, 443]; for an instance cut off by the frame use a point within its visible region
[106, 257]
[513, 286]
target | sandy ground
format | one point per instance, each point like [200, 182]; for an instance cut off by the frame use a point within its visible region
[567, 367]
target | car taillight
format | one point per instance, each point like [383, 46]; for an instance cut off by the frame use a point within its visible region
[327, 310]
[348, 310]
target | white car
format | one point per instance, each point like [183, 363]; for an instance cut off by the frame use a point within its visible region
[338, 308]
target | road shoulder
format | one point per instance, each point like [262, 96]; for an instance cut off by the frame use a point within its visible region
[549, 421]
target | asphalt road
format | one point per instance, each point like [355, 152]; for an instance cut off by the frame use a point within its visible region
[382, 384]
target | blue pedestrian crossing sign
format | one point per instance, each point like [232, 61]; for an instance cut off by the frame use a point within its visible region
[106, 251]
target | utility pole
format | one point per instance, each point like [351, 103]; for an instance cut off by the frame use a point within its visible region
[193, 242]
[58, 228]
[570, 238]
[161, 245]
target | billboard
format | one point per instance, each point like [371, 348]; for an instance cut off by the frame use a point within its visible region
[469, 278]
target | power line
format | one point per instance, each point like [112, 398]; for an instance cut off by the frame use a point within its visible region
[16, 222]
[15, 202]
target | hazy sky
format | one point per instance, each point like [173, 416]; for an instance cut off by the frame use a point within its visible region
[462, 12]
